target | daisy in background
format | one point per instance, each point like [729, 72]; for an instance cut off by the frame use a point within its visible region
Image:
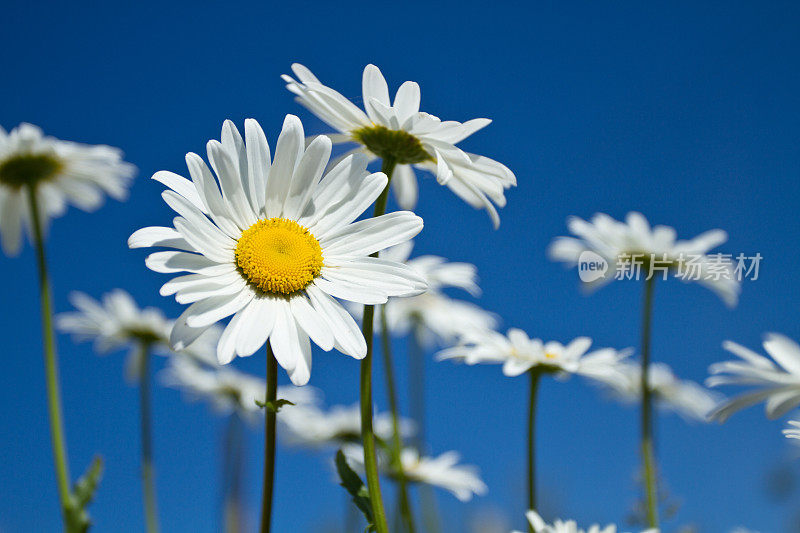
[570, 526]
[398, 133]
[117, 323]
[39, 176]
[273, 243]
[687, 398]
[308, 425]
[519, 354]
[443, 471]
[792, 432]
[633, 247]
[775, 381]
[54, 173]
[605, 249]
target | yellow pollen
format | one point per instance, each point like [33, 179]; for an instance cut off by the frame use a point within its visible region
[278, 256]
[550, 355]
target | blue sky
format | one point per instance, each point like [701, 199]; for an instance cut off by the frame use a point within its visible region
[686, 112]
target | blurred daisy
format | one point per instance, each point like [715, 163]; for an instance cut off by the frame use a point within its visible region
[777, 384]
[226, 389]
[570, 526]
[463, 481]
[402, 134]
[310, 426]
[518, 354]
[442, 319]
[116, 322]
[58, 173]
[792, 432]
[276, 245]
[624, 245]
[687, 398]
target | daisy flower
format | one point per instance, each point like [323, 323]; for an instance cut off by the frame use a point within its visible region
[225, 388]
[400, 133]
[625, 247]
[117, 322]
[463, 481]
[570, 526]
[792, 432]
[57, 173]
[776, 381]
[442, 319]
[518, 354]
[687, 398]
[274, 243]
[308, 425]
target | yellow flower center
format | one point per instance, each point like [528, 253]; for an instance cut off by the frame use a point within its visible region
[550, 355]
[29, 169]
[278, 256]
[398, 145]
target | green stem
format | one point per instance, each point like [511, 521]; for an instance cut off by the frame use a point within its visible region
[232, 475]
[534, 376]
[416, 393]
[51, 366]
[648, 453]
[406, 513]
[367, 435]
[269, 440]
[148, 471]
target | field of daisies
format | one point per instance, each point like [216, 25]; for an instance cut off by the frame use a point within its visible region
[335, 300]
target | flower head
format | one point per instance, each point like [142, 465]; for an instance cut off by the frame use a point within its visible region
[274, 244]
[626, 247]
[463, 481]
[442, 319]
[227, 389]
[518, 353]
[116, 322]
[776, 381]
[309, 425]
[686, 398]
[401, 133]
[58, 172]
[570, 526]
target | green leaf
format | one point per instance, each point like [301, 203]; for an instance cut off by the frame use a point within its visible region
[78, 519]
[353, 484]
[274, 406]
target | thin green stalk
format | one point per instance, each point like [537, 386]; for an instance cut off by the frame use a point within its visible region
[367, 435]
[648, 452]
[232, 475]
[535, 374]
[51, 366]
[148, 471]
[416, 393]
[269, 440]
[406, 514]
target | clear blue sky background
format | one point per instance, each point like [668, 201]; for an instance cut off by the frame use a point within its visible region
[686, 112]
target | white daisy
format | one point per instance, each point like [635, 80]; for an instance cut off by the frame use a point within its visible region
[686, 398]
[570, 526]
[59, 172]
[442, 319]
[794, 431]
[228, 390]
[777, 384]
[276, 245]
[518, 353]
[623, 245]
[310, 426]
[117, 322]
[401, 133]
[463, 481]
